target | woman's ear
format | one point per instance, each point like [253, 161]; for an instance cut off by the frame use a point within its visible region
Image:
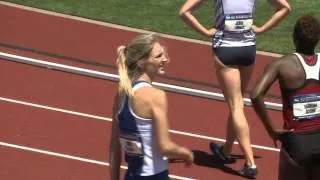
[141, 63]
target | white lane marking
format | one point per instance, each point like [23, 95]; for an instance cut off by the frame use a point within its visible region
[110, 119]
[115, 77]
[60, 155]
[55, 109]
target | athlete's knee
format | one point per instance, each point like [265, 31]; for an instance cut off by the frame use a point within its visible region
[240, 123]
[236, 104]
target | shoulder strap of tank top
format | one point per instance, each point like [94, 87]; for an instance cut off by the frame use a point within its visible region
[139, 84]
[303, 63]
[312, 72]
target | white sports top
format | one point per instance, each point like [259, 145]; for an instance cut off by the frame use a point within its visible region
[234, 19]
[312, 72]
[139, 141]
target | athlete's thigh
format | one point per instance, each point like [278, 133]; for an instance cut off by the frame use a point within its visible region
[289, 169]
[230, 82]
[245, 74]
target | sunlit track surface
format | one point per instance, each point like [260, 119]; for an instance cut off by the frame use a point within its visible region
[98, 48]
[109, 119]
[114, 77]
[90, 106]
[91, 95]
[56, 124]
[84, 137]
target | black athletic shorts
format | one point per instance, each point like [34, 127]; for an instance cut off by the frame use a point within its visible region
[243, 56]
[160, 176]
[304, 147]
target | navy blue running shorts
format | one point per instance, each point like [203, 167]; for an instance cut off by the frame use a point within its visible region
[243, 56]
[160, 176]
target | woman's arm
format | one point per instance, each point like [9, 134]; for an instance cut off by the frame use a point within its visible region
[168, 148]
[282, 10]
[268, 77]
[186, 14]
[115, 147]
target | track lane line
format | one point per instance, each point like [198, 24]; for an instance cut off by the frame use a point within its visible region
[66, 156]
[110, 119]
[115, 77]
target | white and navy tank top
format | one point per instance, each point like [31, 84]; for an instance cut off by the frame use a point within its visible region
[138, 139]
[301, 106]
[233, 20]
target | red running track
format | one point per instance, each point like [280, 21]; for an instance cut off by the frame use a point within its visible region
[78, 41]
[58, 40]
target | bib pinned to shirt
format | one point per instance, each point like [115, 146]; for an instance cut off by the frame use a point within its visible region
[238, 22]
[306, 107]
[132, 144]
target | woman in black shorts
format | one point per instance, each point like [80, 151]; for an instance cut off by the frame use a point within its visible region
[299, 78]
[234, 51]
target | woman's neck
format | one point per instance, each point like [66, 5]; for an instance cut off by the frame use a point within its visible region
[143, 77]
[308, 52]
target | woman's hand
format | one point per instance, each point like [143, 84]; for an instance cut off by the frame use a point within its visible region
[257, 30]
[188, 160]
[211, 32]
[276, 134]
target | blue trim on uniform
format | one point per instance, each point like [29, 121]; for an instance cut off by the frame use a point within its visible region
[126, 120]
[127, 124]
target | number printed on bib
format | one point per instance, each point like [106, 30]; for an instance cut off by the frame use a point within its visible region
[131, 143]
[238, 22]
[306, 107]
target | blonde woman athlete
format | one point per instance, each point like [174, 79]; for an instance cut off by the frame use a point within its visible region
[140, 122]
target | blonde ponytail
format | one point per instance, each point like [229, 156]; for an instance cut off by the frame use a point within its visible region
[125, 82]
